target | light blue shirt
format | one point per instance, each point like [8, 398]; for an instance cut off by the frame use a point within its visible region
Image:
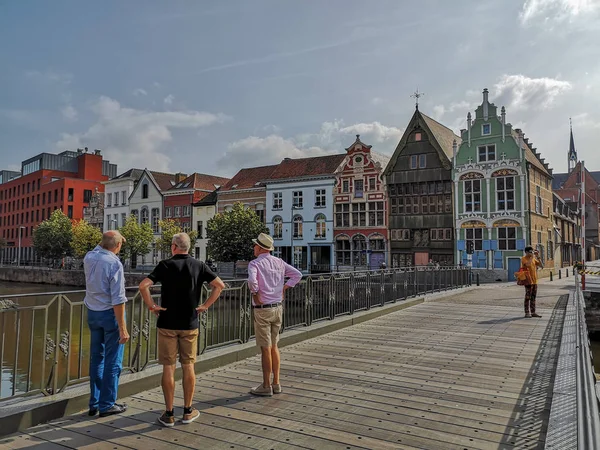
[104, 280]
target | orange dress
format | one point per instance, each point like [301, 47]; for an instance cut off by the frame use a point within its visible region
[531, 264]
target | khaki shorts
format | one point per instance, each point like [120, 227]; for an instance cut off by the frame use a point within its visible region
[267, 323]
[173, 342]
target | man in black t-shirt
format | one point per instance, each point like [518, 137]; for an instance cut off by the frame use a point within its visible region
[181, 278]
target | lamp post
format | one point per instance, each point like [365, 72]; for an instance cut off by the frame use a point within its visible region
[19, 252]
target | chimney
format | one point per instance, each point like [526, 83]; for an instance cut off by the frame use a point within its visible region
[503, 114]
[469, 127]
[179, 177]
[79, 151]
[97, 152]
[485, 105]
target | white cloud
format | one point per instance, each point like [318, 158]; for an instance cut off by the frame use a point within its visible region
[545, 11]
[519, 92]
[139, 91]
[69, 113]
[169, 99]
[333, 137]
[135, 138]
[49, 76]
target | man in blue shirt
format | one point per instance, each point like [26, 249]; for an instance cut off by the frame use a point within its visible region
[105, 299]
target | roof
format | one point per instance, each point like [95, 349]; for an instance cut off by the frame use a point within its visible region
[208, 199]
[131, 173]
[560, 178]
[307, 167]
[201, 181]
[164, 181]
[444, 135]
[248, 178]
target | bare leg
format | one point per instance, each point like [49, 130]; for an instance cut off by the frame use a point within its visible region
[168, 385]
[189, 383]
[266, 365]
[275, 363]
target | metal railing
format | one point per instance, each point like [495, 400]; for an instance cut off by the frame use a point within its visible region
[588, 418]
[44, 338]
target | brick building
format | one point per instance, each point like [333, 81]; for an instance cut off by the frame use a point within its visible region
[65, 181]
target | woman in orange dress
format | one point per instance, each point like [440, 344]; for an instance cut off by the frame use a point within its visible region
[530, 262]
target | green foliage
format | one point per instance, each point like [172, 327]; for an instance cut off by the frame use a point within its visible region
[230, 234]
[52, 238]
[85, 238]
[139, 239]
[169, 228]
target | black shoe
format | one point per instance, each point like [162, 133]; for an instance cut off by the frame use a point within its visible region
[114, 409]
[92, 412]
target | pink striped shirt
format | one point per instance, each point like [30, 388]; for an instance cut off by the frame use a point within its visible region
[266, 275]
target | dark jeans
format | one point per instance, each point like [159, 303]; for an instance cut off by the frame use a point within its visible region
[530, 294]
[106, 359]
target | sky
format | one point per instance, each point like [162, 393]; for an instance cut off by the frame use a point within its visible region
[213, 86]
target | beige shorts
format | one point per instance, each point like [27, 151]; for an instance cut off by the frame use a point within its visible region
[267, 323]
[173, 342]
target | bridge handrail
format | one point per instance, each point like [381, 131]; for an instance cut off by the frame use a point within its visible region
[588, 417]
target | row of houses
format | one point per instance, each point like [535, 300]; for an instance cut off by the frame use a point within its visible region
[475, 199]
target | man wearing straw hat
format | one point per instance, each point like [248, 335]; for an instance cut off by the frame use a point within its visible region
[266, 276]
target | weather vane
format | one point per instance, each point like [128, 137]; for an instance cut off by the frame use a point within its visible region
[417, 95]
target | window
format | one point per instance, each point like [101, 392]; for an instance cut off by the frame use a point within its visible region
[372, 184]
[486, 153]
[87, 195]
[538, 200]
[358, 188]
[108, 221]
[298, 202]
[298, 227]
[56, 195]
[145, 190]
[376, 244]
[359, 250]
[475, 235]
[359, 214]
[342, 215]
[422, 161]
[70, 211]
[277, 200]
[414, 161]
[402, 234]
[123, 197]
[277, 227]
[472, 195]
[320, 198]
[44, 198]
[186, 211]
[144, 218]
[109, 200]
[177, 211]
[200, 229]
[321, 227]
[376, 214]
[417, 137]
[134, 213]
[168, 211]
[185, 226]
[486, 129]
[70, 198]
[123, 219]
[261, 214]
[505, 193]
[342, 251]
[507, 238]
[116, 199]
[155, 219]
[345, 186]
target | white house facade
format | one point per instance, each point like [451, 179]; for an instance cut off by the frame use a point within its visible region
[202, 212]
[116, 198]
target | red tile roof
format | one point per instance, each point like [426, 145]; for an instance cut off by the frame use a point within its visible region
[248, 178]
[164, 180]
[306, 167]
[200, 181]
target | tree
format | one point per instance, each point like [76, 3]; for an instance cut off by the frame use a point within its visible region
[85, 238]
[138, 239]
[230, 234]
[52, 238]
[169, 228]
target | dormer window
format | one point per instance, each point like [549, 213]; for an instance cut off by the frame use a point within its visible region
[417, 137]
[486, 129]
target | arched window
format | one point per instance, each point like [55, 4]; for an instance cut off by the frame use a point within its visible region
[321, 226]
[277, 227]
[298, 227]
[359, 250]
[376, 243]
[155, 217]
[144, 215]
[145, 190]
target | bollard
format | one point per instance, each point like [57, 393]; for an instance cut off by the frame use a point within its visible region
[583, 281]
[559, 274]
[551, 277]
[567, 272]
[477, 279]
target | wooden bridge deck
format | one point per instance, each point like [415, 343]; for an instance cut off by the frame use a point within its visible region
[464, 372]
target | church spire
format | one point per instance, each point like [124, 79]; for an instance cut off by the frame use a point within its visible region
[572, 156]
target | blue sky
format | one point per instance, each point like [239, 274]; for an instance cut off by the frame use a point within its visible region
[216, 86]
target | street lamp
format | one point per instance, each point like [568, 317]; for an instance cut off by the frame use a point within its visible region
[19, 253]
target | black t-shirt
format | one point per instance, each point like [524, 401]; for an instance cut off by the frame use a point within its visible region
[181, 278]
